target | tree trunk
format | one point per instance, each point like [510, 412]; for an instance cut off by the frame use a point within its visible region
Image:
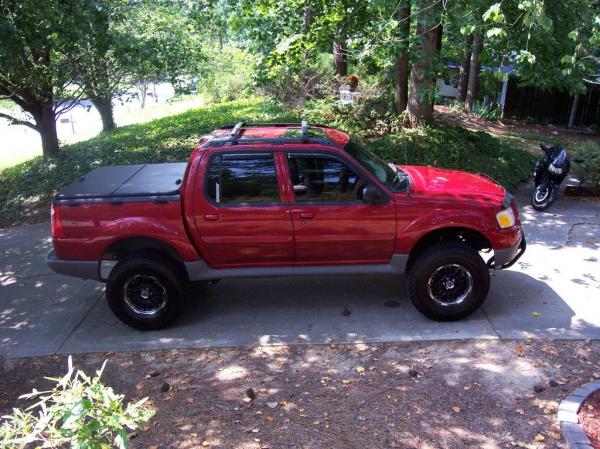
[573, 113]
[463, 74]
[45, 122]
[422, 87]
[340, 57]
[143, 88]
[438, 48]
[401, 66]
[474, 67]
[105, 109]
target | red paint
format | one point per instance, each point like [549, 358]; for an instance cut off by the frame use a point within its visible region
[288, 233]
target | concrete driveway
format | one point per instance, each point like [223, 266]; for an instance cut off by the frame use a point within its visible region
[553, 292]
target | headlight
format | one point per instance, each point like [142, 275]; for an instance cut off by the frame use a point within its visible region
[555, 170]
[506, 218]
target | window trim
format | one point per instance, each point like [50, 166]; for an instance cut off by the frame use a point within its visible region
[241, 154]
[360, 172]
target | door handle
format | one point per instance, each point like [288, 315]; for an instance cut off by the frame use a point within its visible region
[211, 217]
[306, 215]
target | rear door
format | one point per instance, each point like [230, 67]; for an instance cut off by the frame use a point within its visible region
[240, 215]
[332, 224]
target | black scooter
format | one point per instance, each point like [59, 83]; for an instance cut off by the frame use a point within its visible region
[548, 174]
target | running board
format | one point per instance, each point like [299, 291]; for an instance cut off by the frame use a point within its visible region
[198, 270]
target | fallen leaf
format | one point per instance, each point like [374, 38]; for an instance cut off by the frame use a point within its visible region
[345, 381]
[536, 314]
[152, 446]
[194, 434]
[456, 409]
[269, 418]
[520, 411]
[520, 350]
[255, 430]
[205, 443]
[539, 438]
[360, 369]
[146, 427]
[140, 385]
[272, 404]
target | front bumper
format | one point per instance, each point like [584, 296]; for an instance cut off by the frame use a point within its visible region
[85, 269]
[505, 258]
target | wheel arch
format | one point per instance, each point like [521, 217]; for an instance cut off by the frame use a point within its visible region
[460, 234]
[127, 247]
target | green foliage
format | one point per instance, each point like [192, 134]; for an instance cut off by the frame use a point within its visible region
[79, 411]
[589, 170]
[486, 111]
[228, 74]
[457, 148]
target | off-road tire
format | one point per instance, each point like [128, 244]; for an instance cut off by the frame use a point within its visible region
[436, 257]
[165, 272]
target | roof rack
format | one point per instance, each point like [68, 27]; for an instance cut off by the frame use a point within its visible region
[235, 135]
[235, 132]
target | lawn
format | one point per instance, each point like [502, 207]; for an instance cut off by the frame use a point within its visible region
[26, 190]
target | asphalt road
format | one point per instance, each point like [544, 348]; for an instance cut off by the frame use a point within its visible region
[552, 292]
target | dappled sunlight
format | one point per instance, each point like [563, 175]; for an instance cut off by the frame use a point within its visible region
[231, 373]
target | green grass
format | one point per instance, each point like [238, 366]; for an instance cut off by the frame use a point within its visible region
[26, 190]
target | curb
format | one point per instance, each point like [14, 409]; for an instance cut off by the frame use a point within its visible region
[568, 419]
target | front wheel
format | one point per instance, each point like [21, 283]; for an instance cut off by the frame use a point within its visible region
[146, 292]
[543, 196]
[448, 281]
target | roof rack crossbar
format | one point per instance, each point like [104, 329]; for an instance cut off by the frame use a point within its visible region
[234, 135]
[271, 140]
[304, 133]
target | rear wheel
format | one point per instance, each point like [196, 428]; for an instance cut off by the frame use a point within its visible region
[448, 281]
[146, 292]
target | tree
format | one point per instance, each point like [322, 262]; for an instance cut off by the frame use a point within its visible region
[422, 86]
[38, 59]
[401, 60]
[474, 68]
[463, 74]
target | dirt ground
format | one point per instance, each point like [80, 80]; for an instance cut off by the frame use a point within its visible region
[461, 394]
[507, 127]
[589, 416]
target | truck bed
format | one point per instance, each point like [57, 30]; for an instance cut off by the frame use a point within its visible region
[126, 181]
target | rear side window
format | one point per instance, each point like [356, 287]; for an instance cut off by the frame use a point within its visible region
[242, 179]
[322, 179]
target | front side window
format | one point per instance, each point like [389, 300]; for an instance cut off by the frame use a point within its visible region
[242, 179]
[323, 179]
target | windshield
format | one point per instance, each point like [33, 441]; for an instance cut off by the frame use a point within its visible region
[393, 177]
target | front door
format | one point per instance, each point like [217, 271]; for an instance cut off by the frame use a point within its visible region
[240, 217]
[332, 224]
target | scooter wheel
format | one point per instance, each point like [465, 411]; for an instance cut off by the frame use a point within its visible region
[543, 196]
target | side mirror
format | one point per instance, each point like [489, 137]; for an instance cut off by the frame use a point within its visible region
[371, 194]
[578, 160]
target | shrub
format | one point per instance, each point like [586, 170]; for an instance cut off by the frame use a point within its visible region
[79, 411]
[458, 148]
[589, 170]
[485, 111]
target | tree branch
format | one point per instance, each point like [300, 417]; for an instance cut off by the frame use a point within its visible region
[16, 121]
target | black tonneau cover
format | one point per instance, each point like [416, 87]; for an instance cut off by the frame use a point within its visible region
[127, 181]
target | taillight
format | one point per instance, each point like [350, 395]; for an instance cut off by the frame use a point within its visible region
[57, 229]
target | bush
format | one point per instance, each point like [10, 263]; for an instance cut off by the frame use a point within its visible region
[79, 411]
[372, 114]
[457, 148]
[486, 112]
[589, 170]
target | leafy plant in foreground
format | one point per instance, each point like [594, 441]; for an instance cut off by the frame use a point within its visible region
[79, 412]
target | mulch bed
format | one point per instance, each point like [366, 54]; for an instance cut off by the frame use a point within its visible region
[420, 395]
[589, 416]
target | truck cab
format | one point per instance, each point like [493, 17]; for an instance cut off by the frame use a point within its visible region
[282, 199]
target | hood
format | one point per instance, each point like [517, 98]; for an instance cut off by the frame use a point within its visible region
[454, 183]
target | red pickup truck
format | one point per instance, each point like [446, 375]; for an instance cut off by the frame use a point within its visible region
[282, 199]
